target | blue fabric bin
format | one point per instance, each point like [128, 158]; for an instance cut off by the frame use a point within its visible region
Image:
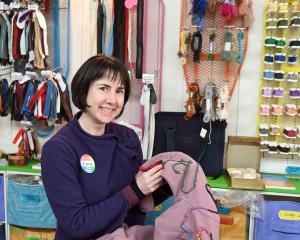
[271, 227]
[2, 211]
[28, 206]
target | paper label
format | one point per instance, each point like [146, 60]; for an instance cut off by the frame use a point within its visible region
[31, 56]
[14, 4]
[148, 78]
[33, 6]
[1, 6]
[203, 132]
[289, 215]
[227, 46]
[16, 76]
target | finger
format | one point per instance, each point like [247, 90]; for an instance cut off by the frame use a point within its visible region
[157, 181]
[155, 169]
[157, 174]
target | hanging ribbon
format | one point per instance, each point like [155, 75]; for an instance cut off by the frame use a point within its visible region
[139, 40]
[240, 38]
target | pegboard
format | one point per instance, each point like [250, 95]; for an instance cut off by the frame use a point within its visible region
[152, 58]
[217, 72]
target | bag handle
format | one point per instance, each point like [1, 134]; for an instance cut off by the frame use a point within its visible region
[170, 134]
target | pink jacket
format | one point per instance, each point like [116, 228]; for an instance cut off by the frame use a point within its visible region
[193, 212]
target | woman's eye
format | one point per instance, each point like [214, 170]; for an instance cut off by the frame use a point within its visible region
[121, 91]
[105, 89]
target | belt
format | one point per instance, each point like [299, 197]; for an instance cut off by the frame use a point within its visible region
[268, 74]
[264, 146]
[292, 76]
[294, 92]
[283, 23]
[284, 148]
[290, 132]
[267, 92]
[271, 23]
[292, 59]
[274, 130]
[278, 75]
[277, 110]
[270, 42]
[291, 109]
[265, 109]
[280, 58]
[277, 92]
[283, 8]
[269, 59]
[280, 43]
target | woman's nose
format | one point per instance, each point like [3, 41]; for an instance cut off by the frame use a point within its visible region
[111, 97]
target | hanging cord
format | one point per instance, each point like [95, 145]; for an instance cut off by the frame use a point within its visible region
[227, 54]
[196, 46]
[240, 38]
[212, 38]
[222, 105]
[185, 172]
[139, 40]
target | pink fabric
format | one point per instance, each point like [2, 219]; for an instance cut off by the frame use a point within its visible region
[195, 209]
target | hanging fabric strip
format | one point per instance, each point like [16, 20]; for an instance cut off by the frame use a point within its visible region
[100, 22]
[9, 36]
[145, 101]
[139, 40]
[108, 27]
[119, 29]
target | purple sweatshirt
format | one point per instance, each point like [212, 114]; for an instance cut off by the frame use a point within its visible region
[88, 199]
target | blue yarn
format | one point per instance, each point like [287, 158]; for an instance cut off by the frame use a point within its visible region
[240, 37]
[199, 6]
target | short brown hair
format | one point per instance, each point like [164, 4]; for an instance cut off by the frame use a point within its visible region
[96, 68]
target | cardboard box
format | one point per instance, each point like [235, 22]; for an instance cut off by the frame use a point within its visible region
[244, 152]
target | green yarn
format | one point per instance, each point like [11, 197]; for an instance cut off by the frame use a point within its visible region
[228, 54]
[212, 38]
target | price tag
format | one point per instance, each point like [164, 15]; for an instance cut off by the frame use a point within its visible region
[203, 132]
[33, 6]
[148, 78]
[46, 73]
[227, 46]
[31, 56]
[16, 76]
[2, 6]
[15, 5]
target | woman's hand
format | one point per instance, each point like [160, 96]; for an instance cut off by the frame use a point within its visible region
[149, 181]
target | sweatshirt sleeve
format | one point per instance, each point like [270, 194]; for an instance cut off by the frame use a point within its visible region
[76, 218]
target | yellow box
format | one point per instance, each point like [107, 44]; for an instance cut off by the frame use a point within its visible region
[244, 152]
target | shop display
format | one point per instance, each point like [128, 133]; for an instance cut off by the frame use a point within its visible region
[212, 48]
[280, 93]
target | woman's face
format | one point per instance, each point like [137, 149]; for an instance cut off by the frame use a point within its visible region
[106, 100]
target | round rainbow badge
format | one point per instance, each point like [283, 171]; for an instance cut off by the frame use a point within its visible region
[87, 163]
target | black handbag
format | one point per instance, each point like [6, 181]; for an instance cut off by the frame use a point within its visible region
[174, 133]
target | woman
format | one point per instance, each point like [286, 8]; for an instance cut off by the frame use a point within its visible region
[89, 168]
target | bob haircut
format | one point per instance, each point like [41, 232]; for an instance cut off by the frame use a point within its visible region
[95, 68]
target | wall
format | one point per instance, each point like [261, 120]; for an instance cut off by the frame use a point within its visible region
[244, 102]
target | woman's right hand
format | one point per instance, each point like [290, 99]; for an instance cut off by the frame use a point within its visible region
[149, 181]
